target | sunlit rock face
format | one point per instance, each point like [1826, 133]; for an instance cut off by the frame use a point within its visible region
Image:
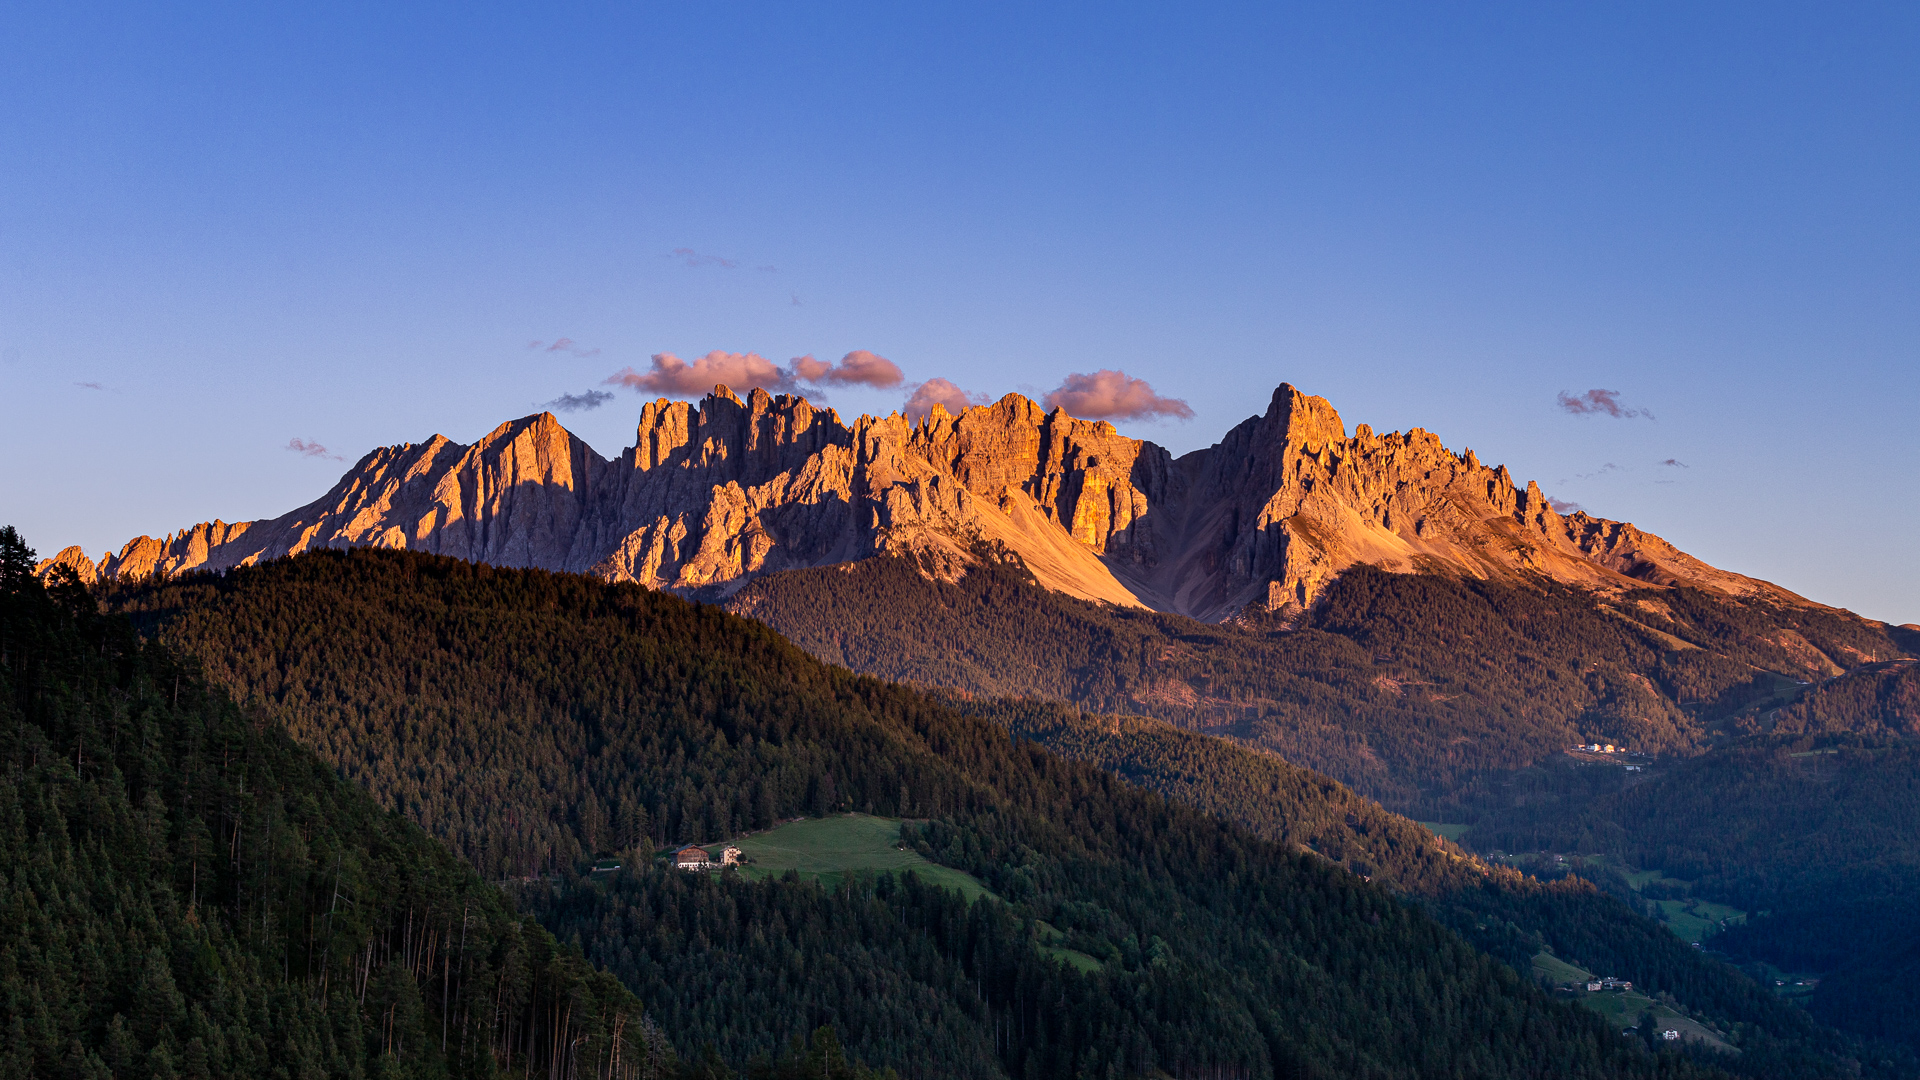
[710, 496]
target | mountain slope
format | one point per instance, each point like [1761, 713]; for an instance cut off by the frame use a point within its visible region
[709, 498]
[184, 893]
[1430, 693]
[1810, 820]
[520, 713]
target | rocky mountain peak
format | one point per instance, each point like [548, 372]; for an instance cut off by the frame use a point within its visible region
[713, 494]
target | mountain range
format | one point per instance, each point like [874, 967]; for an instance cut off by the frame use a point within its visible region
[1401, 618]
[712, 496]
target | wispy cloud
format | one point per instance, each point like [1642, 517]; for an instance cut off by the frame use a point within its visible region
[592, 399]
[1599, 403]
[796, 299]
[89, 386]
[564, 345]
[939, 392]
[1113, 395]
[857, 368]
[671, 376]
[693, 260]
[1603, 470]
[308, 448]
[1674, 463]
[1563, 506]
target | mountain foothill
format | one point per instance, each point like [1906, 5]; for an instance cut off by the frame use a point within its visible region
[1176, 717]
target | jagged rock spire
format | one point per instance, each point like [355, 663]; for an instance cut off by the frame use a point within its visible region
[710, 496]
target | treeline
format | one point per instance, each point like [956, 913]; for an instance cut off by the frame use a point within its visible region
[519, 713]
[1415, 689]
[186, 893]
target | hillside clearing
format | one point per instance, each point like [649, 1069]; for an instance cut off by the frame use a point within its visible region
[827, 849]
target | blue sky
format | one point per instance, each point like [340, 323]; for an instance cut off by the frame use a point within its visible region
[345, 225]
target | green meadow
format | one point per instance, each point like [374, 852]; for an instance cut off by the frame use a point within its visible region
[1623, 1008]
[827, 849]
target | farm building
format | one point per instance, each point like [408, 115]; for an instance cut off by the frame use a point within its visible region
[692, 857]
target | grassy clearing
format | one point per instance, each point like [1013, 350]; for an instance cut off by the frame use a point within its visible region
[1697, 920]
[827, 849]
[1622, 1008]
[1449, 831]
[1078, 960]
[1552, 968]
[1689, 919]
[1662, 636]
[1048, 938]
[1639, 879]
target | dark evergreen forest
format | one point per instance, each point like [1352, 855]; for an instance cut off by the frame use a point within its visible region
[1784, 740]
[1499, 910]
[535, 720]
[1427, 693]
[184, 892]
[1811, 820]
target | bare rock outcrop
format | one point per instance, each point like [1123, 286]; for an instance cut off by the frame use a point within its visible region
[710, 496]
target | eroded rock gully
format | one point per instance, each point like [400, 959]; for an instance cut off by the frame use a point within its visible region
[710, 496]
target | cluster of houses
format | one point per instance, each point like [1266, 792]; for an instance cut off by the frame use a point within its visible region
[694, 857]
[1609, 983]
[1602, 748]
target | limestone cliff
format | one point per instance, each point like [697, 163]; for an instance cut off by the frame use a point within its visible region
[710, 496]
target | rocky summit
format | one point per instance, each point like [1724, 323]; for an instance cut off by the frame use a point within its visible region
[711, 496]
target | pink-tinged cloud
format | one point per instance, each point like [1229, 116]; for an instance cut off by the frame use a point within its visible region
[1562, 506]
[306, 448]
[568, 346]
[1599, 403]
[671, 376]
[1674, 463]
[693, 260]
[89, 386]
[857, 368]
[939, 392]
[1113, 395]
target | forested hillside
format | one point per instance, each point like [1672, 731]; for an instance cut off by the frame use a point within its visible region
[1497, 909]
[1424, 692]
[1453, 700]
[534, 719]
[186, 893]
[1812, 822]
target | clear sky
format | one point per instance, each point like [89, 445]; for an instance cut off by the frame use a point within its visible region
[225, 229]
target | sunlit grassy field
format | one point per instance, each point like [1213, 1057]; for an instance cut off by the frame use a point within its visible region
[827, 849]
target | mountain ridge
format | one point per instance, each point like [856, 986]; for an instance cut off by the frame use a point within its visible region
[712, 496]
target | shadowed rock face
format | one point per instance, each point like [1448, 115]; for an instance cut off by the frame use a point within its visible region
[709, 497]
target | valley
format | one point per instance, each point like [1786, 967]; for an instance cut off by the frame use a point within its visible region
[440, 684]
[981, 755]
